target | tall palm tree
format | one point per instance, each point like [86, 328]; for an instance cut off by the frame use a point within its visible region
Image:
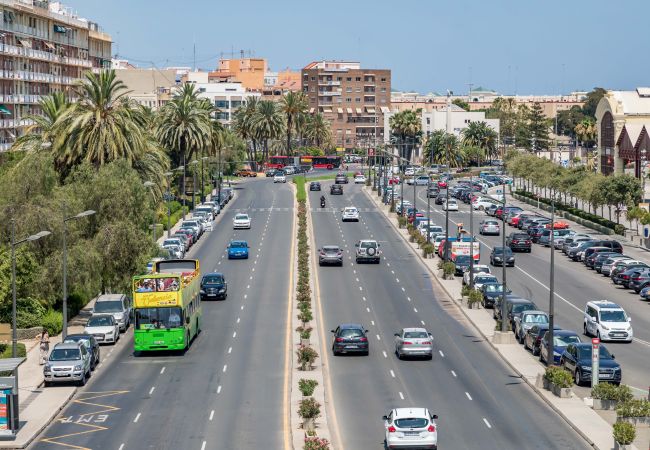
[244, 126]
[40, 134]
[318, 129]
[268, 123]
[443, 148]
[103, 126]
[300, 125]
[586, 130]
[482, 136]
[292, 105]
[407, 127]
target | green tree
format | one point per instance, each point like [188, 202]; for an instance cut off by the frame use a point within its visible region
[268, 123]
[40, 134]
[568, 119]
[318, 130]
[406, 126]
[505, 109]
[461, 103]
[293, 104]
[481, 135]
[538, 125]
[591, 103]
[586, 131]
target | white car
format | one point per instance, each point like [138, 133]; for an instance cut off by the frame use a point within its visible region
[607, 321]
[360, 179]
[482, 203]
[450, 205]
[410, 428]
[409, 171]
[436, 242]
[432, 229]
[279, 178]
[241, 221]
[478, 268]
[104, 327]
[350, 213]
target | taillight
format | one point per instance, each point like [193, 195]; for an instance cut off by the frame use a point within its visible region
[527, 242]
[322, 253]
[636, 279]
[426, 343]
[363, 339]
[338, 339]
[407, 343]
[392, 429]
[431, 429]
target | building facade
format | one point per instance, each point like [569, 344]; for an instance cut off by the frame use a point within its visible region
[149, 87]
[250, 72]
[44, 48]
[353, 99]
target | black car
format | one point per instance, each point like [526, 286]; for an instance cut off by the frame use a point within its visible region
[91, 344]
[269, 173]
[314, 186]
[350, 338]
[214, 286]
[440, 199]
[341, 178]
[336, 189]
[433, 192]
[498, 256]
[534, 335]
[601, 258]
[492, 291]
[519, 241]
[515, 307]
[592, 256]
[462, 264]
[577, 360]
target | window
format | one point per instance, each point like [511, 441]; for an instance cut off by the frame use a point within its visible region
[357, 79]
[383, 80]
[313, 78]
[348, 100]
[349, 89]
[339, 131]
[428, 121]
[383, 89]
[357, 99]
[338, 78]
[348, 79]
[223, 104]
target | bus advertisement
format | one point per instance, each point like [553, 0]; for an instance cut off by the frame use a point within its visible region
[167, 306]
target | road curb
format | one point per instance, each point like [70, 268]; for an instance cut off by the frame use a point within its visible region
[488, 340]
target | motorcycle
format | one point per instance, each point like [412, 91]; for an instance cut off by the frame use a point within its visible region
[322, 203]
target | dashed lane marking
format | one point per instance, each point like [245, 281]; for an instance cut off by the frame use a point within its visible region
[153, 388]
[468, 396]
[441, 354]
[219, 389]
[454, 374]
[385, 354]
[137, 418]
[487, 424]
[401, 396]
[392, 374]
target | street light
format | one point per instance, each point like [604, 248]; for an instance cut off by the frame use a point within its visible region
[86, 213]
[168, 175]
[471, 234]
[504, 323]
[551, 308]
[150, 185]
[194, 164]
[183, 191]
[202, 197]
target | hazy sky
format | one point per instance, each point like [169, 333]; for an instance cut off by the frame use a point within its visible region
[522, 46]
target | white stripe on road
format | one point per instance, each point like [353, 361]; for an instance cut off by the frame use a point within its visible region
[441, 354]
[137, 418]
[225, 367]
[234, 334]
[121, 447]
[422, 322]
[229, 350]
[385, 355]
[401, 396]
[368, 309]
[203, 445]
[392, 374]
[415, 309]
[151, 390]
[378, 338]
[487, 423]
[162, 370]
[454, 374]
[219, 389]
[468, 396]
[211, 414]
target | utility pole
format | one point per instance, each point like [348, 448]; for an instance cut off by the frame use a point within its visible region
[551, 307]
[504, 319]
[471, 233]
[448, 126]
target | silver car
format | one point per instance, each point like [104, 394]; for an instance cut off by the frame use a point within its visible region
[414, 342]
[68, 361]
[526, 321]
[330, 254]
[609, 264]
[489, 226]
[116, 304]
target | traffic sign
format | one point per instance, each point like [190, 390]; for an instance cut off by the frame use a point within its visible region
[595, 361]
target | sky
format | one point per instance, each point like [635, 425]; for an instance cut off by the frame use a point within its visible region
[511, 46]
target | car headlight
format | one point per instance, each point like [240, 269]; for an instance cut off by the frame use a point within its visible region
[222, 290]
[617, 369]
[77, 367]
[604, 327]
[47, 368]
[586, 368]
[498, 258]
[556, 354]
[110, 333]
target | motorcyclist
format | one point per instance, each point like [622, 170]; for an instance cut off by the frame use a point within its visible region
[322, 201]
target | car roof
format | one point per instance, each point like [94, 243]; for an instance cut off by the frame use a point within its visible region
[416, 329]
[565, 333]
[101, 315]
[533, 311]
[211, 274]
[238, 242]
[109, 297]
[81, 335]
[516, 299]
[351, 326]
[604, 304]
[67, 345]
[410, 412]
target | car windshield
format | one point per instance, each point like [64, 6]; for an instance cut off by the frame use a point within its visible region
[350, 210]
[482, 279]
[616, 315]
[331, 249]
[241, 217]
[491, 222]
[499, 250]
[151, 318]
[108, 306]
[104, 321]
[412, 422]
[368, 245]
[212, 279]
[65, 354]
[168, 242]
[350, 332]
[564, 341]
[536, 318]
[238, 244]
[83, 339]
[586, 352]
[415, 335]
[521, 307]
[494, 288]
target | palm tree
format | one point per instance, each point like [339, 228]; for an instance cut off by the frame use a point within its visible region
[443, 148]
[40, 134]
[586, 131]
[268, 123]
[318, 130]
[407, 127]
[103, 126]
[482, 136]
[292, 105]
[243, 125]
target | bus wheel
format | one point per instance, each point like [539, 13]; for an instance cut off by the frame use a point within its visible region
[198, 327]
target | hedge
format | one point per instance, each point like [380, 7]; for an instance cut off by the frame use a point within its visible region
[6, 349]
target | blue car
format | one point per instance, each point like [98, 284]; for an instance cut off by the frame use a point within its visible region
[577, 360]
[561, 340]
[238, 250]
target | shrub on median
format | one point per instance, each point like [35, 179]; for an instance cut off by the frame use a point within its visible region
[307, 386]
[609, 391]
[624, 433]
[634, 408]
[559, 377]
[306, 357]
[309, 408]
[316, 443]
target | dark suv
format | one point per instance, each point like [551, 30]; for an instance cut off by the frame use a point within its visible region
[575, 253]
[519, 242]
[336, 189]
[577, 360]
[350, 338]
[214, 286]
[341, 179]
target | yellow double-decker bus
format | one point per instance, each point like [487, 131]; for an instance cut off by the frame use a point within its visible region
[167, 306]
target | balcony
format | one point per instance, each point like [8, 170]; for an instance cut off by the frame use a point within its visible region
[328, 93]
[328, 83]
[36, 77]
[42, 55]
[15, 123]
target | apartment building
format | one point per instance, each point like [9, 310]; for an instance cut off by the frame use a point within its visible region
[149, 87]
[247, 71]
[44, 48]
[353, 99]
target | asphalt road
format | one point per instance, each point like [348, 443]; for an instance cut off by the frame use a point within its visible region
[575, 285]
[481, 403]
[228, 390]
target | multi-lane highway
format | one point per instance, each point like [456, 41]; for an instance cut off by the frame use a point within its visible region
[229, 390]
[575, 285]
[481, 403]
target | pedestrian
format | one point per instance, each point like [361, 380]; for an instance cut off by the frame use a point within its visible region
[44, 345]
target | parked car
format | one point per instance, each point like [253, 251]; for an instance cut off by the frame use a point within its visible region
[68, 361]
[245, 173]
[478, 268]
[491, 291]
[622, 266]
[519, 241]
[639, 280]
[413, 342]
[410, 428]
[499, 256]
[330, 254]
[91, 344]
[118, 305]
[462, 264]
[103, 327]
[526, 320]
[577, 360]
[576, 253]
[545, 238]
[625, 278]
[238, 250]
[350, 338]
[533, 338]
[360, 179]
[600, 259]
[481, 278]
[489, 226]
[607, 321]
[336, 189]
[241, 221]
[213, 286]
[590, 255]
[609, 264]
[574, 241]
[561, 340]
[314, 186]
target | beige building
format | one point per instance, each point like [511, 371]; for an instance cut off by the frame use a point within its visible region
[149, 87]
[44, 48]
[353, 99]
[623, 122]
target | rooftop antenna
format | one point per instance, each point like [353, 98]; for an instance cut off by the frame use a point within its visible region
[194, 54]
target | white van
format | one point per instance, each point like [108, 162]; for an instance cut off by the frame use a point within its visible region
[607, 321]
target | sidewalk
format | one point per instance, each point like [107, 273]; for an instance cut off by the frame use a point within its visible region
[584, 420]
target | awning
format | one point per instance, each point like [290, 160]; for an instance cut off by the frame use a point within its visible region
[370, 110]
[339, 110]
[4, 110]
[385, 109]
[327, 110]
[311, 110]
[25, 43]
[349, 110]
[50, 46]
[359, 111]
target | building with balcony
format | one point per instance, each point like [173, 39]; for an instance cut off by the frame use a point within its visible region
[353, 99]
[44, 48]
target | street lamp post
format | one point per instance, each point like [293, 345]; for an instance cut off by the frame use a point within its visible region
[428, 212]
[504, 323]
[168, 175]
[551, 307]
[471, 235]
[150, 185]
[184, 167]
[194, 183]
[202, 196]
[86, 213]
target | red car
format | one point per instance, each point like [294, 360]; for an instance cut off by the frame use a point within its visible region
[559, 225]
[442, 184]
[393, 180]
[411, 218]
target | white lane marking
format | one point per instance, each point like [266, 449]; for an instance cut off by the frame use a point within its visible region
[357, 280]
[392, 374]
[393, 272]
[219, 389]
[162, 370]
[422, 322]
[245, 297]
[211, 414]
[251, 277]
[248, 287]
[487, 423]
[152, 389]
[397, 279]
[254, 267]
[415, 309]
[225, 367]
[441, 354]
[388, 264]
[401, 396]
[219, 262]
[242, 306]
[203, 445]
[378, 337]
[238, 319]
[121, 447]
[368, 309]
[372, 322]
[454, 374]
[364, 299]
[360, 288]
[234, 334]
[354, 270]
[408, 298]
[468, 396]
[385, 354]
[137, 418]
[403, 290]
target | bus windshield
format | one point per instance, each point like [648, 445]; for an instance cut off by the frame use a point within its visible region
[158, 318]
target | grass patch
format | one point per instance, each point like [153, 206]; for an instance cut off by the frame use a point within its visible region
[330, 176]
[301, 194]
[5, 350]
